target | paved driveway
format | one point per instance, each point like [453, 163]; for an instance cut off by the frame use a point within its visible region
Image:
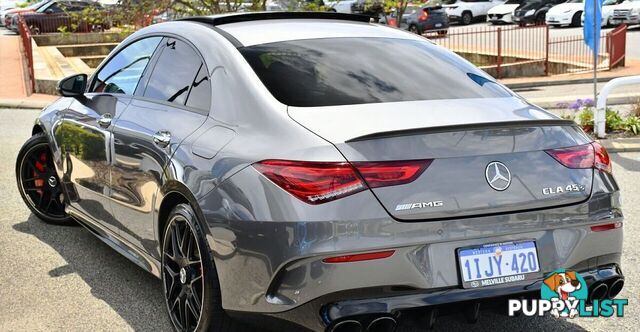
[64, 279]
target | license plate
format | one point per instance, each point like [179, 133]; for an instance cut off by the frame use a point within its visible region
[438, 25]
[498, 263]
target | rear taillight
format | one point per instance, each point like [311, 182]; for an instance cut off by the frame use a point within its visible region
[602, 162]
[591, 155]
[391, 173]
[312, 182]
[321, 182]
[424, 16]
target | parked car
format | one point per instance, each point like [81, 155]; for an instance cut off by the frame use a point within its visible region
[503, 13]
[305, 177]
[7, 17]
[533, 11]
[58, 14]
[422, 19]
[5, 6]
[466, 11]
[340, 6]
[607, 12]
[565, 14]
[627, 12]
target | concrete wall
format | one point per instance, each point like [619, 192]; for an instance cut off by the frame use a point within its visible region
[55, 39]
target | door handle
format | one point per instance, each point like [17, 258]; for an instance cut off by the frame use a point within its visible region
[162, 138]
[105, 120]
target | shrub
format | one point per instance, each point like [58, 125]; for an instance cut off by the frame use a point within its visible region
[632, 124]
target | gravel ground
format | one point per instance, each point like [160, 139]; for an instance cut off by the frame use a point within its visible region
[63, 278]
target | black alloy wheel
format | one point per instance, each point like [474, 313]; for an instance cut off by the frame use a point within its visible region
[414, 29]
[38, 181]
[189, 277]
[182, 275]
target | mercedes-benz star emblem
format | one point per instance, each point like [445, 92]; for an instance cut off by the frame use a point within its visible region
[498, 176]
[183, 275]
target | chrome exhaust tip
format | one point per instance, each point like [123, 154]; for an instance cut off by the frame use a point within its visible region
[382, 324]
[615, 287]
[598, 292]
[349, 325]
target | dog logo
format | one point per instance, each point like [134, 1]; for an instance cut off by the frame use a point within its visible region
[566, 286]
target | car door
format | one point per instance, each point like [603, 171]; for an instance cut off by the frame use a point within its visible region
[52, 16]
[86, 133]
[174, 102]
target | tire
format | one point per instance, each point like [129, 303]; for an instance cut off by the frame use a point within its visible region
[35, 29]
[443, 32]
[540, 19]
[38, 182]
[189, 273]
[575, 20]
[467, 18]
[414, 29]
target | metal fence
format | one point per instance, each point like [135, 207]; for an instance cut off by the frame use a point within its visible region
[25, 36]
[499, 46]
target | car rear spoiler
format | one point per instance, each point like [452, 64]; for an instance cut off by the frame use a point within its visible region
[472, 126]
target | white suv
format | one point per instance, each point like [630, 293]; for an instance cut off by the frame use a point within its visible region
[465, 11]
[627, 12]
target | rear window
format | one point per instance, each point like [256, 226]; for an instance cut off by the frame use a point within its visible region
[345, 71]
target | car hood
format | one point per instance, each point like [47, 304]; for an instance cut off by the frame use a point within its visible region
[563, 7]
[18, 10]
[627, 5]
[342, 123]
[503, 9]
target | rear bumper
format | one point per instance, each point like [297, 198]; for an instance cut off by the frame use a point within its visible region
[412, 308]
[336, 311]
[274, 269]
[433, 26]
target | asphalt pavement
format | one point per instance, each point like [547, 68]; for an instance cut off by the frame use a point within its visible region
[56, 278]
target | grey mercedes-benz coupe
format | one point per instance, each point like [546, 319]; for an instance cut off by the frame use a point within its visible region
[314, 171]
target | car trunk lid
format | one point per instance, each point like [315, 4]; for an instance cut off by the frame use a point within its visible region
[484, 161]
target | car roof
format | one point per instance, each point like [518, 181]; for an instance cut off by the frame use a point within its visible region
[248, 29]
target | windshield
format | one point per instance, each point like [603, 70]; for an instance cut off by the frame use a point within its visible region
[575, 1]
[36, 5]
[531, 5]
[346, 71]
[449, 2]
[410, 10]
[610, 2]
[513, 2]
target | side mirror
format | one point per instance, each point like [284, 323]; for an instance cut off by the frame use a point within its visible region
[48, 11]
[72, 86]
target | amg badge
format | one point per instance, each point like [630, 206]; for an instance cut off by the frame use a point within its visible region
[411, 206]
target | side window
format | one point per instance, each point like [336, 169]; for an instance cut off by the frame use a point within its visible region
[180, 77]
[56, 8]
[200, 95]
[122, 73]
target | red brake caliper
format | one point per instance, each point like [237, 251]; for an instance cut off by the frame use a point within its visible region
[40, 166]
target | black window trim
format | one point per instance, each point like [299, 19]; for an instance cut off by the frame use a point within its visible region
[94, 76]
[144, 79]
